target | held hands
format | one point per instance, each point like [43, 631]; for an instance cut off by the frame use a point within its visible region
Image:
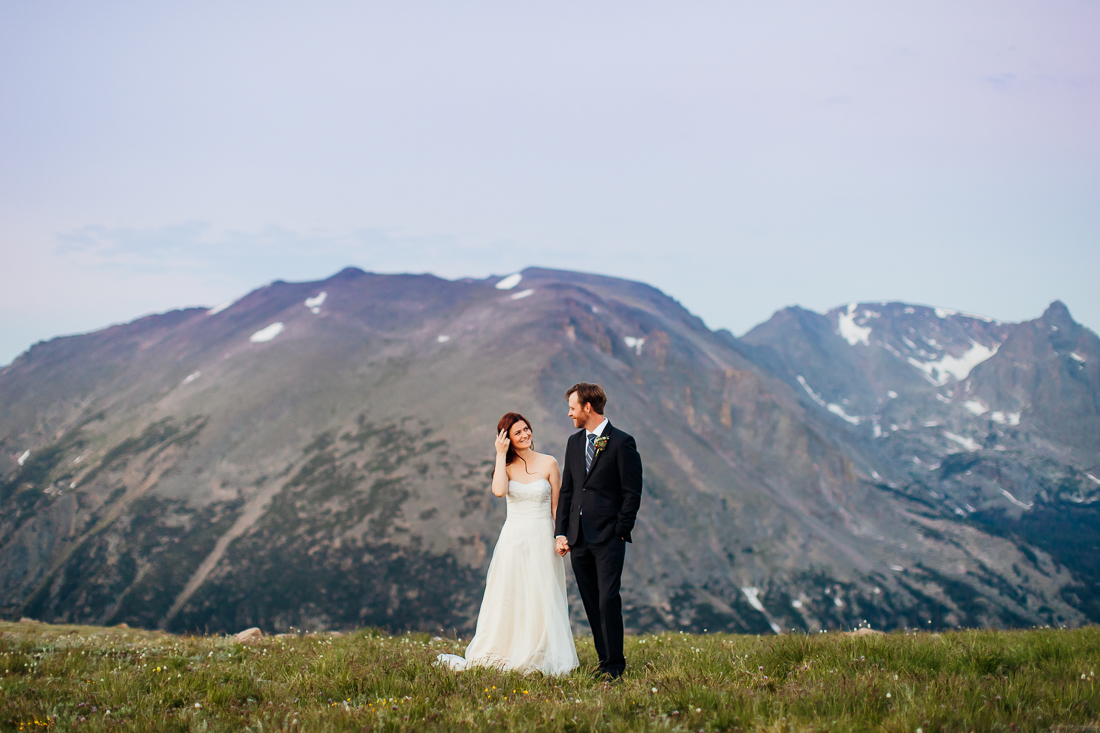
[563, 546]
[502, 443]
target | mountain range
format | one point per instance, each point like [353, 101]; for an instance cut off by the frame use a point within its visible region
[317, 455]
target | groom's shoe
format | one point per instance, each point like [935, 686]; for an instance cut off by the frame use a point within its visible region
[609, 674]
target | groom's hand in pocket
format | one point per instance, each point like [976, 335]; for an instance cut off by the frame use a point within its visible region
[563, 546]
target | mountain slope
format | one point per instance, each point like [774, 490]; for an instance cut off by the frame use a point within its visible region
[988, 425]
[317, 454]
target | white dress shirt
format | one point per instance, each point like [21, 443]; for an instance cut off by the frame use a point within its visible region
[598, 431]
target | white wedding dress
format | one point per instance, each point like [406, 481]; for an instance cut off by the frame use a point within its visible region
[524, 620]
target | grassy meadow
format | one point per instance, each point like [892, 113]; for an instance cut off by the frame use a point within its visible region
[96, 679]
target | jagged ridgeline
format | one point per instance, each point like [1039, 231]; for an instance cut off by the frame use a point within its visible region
[317, 455]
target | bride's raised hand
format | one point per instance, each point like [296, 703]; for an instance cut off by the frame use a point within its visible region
[502, 443]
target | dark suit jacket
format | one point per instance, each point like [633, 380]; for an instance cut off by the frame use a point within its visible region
[609, 494]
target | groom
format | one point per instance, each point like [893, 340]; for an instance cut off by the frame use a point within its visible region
[601, 488]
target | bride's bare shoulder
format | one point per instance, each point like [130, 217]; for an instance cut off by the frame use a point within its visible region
[548, 462]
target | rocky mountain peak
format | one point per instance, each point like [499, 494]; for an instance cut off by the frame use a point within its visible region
[348, 273]
[1048, 370]
[1057, 314]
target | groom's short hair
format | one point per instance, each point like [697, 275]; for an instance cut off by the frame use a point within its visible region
[592, 394]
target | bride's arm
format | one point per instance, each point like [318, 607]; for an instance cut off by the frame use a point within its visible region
[500, 473]
[555, 486]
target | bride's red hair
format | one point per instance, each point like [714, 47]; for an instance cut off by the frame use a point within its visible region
[506, 423]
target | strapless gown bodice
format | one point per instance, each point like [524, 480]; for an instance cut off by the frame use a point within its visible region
[529, 501]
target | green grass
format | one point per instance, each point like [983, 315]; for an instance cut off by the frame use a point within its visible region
[69, 677]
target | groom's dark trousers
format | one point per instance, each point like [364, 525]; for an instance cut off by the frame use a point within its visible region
[599, 571]
[597, 508]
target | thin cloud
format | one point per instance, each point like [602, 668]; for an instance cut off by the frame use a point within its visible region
[1003, 82]
[277, 252]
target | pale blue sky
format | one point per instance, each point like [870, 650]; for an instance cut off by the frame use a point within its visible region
[739, 157]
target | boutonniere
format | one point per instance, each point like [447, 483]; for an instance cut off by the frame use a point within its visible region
[600, 444]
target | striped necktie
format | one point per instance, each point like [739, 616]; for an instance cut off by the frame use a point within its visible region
[590, 452]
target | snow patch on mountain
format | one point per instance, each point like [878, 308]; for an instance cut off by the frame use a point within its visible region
[522, 294]
[634, 343]
[24, 457]
[266, 334]
[442, 338]
[219, 308]
[1005, 418]
[509, 282]
[839, 411]
[976, 407]
[814, 395]
[1076, 357]
[1097, 480]
[948, 312]
[830, 406]
[314, 303]
[753, 597]
[192, 377]
[939, 371]
[847, 328]
[968, 443]
[1017, 502]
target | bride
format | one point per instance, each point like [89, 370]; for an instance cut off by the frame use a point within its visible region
[524, 620]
